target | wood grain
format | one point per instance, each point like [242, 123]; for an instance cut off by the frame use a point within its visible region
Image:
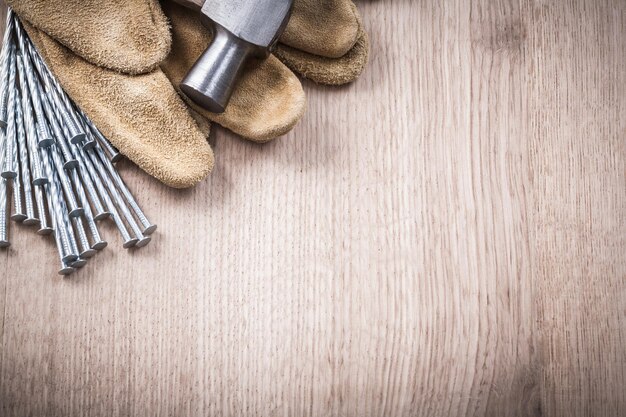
[445, 237]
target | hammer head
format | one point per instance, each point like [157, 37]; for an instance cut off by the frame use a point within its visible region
[259, 22]
[243, 29]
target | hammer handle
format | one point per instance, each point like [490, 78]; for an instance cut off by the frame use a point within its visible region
[211, 80]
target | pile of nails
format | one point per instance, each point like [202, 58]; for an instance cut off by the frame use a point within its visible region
[55, 165]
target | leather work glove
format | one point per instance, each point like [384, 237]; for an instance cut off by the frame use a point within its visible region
[106, 55]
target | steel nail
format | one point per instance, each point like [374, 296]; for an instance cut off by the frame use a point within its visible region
[57, 208]
[44, 228]
[148, 227]
[76, 133]
[129, 241]
[4, 225]
[62, 226]
[4, 69]
[44, 136]
[74, 209]
[58, 130]
[9, 168]
[88, 180]
[18, 208]
[98, 244]
[65, 258]
[94, 187]
[80, 176]
[29, 207]
[30, 129]
[85, 249]
[70, 128]
[117, 198]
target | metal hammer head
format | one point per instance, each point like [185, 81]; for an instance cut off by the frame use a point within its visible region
[242, 29]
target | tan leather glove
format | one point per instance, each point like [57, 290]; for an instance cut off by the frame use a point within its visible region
[325, 41]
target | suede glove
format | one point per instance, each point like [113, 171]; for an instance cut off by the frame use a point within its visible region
[106, 56]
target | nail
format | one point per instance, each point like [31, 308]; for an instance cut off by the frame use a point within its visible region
[4, 69]
[19, 214]
[98, 244]
[58, 130]
[4, 231]
[66, 269]
[100, 212]
[29, 207]
[60, 232]
[78, 176]
[30, 129]
[9, 169]
[94, 186]
[54, 158]
[66, 260]
[58, 212]
[129, 241]
[148, 228]
[117, 198]
[44, 227]
[85, 250]
[18, 208]
[44, 136]
[62, 102]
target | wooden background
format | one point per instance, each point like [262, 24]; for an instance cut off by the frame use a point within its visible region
[446, 237]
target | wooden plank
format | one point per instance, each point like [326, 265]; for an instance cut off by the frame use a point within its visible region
[445, 237]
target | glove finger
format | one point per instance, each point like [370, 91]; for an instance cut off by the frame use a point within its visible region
[328, 28]
[269, 99]
[323, 70]
[130, 36]
[142, 115]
